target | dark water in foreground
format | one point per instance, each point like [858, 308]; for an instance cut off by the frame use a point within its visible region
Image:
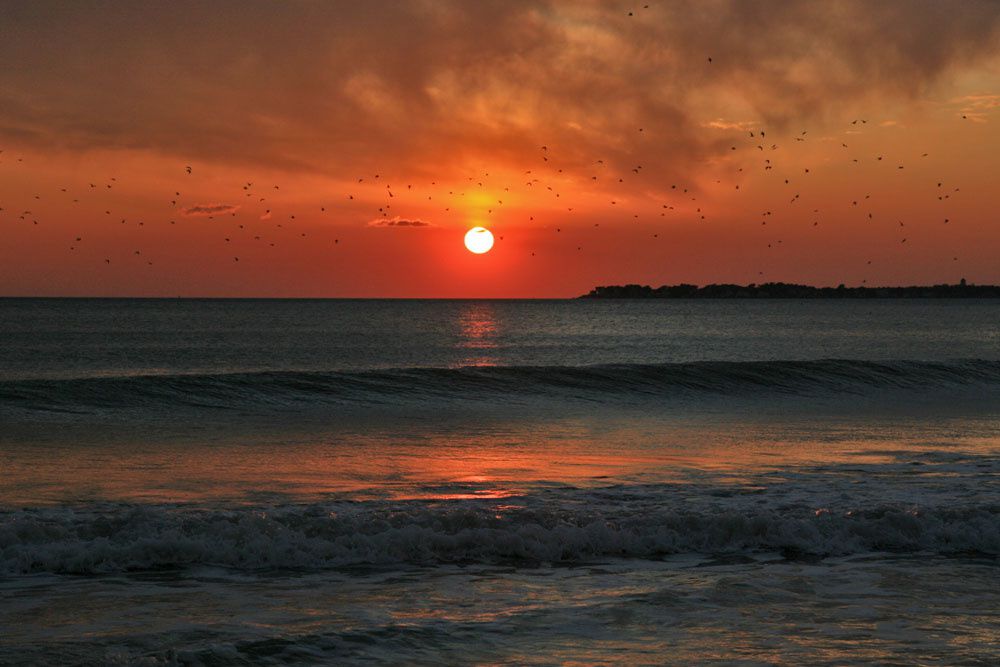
[293, 482]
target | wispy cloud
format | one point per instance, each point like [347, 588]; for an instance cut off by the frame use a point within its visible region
[207, 210]
[398, 222]
[723, 124]
[977, 107]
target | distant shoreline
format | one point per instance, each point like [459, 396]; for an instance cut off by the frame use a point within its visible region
[962, 290]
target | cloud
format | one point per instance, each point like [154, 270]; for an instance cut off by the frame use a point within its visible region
[202, 210]
[723, 124]
[398, 222]
[493, 81]
[978, 107]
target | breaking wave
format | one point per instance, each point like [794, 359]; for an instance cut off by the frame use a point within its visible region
[320, 536]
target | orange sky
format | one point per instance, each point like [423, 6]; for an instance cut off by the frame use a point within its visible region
[600, 147]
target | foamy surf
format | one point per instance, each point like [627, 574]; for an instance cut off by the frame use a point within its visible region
[564, 528]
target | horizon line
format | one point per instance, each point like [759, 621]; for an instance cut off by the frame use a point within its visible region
[578, 296]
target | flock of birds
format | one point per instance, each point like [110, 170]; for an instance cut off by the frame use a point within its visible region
[624, 185]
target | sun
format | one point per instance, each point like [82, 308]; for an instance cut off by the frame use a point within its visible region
[479, 240]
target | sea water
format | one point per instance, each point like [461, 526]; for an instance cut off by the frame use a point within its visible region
[527, 482]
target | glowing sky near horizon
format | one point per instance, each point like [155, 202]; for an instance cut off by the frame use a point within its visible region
[344, 149]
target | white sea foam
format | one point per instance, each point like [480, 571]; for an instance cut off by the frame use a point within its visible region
[337, 535]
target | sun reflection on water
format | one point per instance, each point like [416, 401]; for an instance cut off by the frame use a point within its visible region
[478, 332]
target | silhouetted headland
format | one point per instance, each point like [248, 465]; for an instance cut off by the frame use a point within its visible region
[962, 290]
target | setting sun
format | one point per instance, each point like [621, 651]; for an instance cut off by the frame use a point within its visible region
[479, 240]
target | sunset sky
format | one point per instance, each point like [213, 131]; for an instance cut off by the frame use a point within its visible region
[343, 149]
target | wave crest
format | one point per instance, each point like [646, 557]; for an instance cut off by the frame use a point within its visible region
[294, 388]
[350, 534]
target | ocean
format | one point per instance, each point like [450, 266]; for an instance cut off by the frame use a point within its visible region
[232, 482]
